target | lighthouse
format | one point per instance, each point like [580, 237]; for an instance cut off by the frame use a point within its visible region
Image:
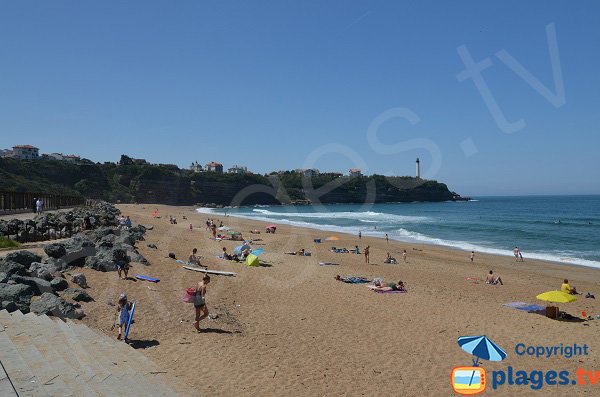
[418, 169]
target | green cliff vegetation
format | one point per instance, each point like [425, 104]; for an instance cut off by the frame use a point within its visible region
[133, 182]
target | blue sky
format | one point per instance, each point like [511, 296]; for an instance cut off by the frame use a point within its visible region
[291, 84]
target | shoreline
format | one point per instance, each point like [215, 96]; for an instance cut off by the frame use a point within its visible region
[534, 256]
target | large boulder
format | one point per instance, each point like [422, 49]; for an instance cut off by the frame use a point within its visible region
[78, 295]
[25, 258]
[79, 279]
[19, 294]
[57, 263]
[55, 250]
[59, 284]
[78, 248]
[39, 285]
[10, 268]
[3, 277]
[9, 306]
[106, 259]
[43, 270]
[55, 306]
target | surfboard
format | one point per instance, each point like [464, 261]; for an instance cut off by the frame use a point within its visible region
[147, 278]
[219, 272]
[129, 321]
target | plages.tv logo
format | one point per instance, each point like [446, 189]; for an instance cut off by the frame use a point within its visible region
[469, 380]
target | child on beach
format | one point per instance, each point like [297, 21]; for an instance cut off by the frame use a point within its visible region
[122, 267]
[123, 308]
[200, 301]
[472, 256]
[404, 255]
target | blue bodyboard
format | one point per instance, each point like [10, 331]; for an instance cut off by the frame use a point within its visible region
[129, 321]
[147, 278]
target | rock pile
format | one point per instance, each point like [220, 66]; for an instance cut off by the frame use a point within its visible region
[47, 226]
[24, 274]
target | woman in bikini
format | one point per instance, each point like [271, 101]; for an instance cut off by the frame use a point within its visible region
[200, 301]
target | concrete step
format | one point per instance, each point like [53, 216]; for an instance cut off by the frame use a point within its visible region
[113, 358]
[6, 387]
[48, 377]
[24, 381]
[136, 361]
[103, 376]
[46, 342]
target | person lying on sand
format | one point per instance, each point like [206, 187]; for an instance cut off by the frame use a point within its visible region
[399, 286]
[493, 280]
[566, 288]
[300, 252]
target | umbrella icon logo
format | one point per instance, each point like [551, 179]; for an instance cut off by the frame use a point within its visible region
[472, 380]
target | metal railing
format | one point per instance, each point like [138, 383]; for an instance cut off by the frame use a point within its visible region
[18, 202]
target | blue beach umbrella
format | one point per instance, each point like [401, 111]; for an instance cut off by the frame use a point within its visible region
[481, 347]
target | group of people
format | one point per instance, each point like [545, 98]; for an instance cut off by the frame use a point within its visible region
[125, 222]
[37, 205]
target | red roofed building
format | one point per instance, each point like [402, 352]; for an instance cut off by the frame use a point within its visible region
[25, 152]
[214, 167]
[355, 172]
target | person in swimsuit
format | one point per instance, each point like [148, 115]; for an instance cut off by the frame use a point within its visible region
[123, 308]
[200, 301]
[194, 259]
[491, 279]
[366, 251]
[399, 286]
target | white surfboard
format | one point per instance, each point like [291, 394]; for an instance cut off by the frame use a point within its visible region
[219, 272]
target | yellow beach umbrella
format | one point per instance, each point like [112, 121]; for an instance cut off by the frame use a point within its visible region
[556, 297]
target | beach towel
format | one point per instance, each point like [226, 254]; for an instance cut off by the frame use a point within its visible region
[390, 292]
[353, 279]
[515, 304]
[526, 307]
[328, 264]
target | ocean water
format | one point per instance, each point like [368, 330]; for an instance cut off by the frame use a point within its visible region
[557, 228]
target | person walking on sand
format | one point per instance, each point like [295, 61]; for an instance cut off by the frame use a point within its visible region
[359, 235]
[200, 301]
[123, 309]
[516, 253]
[404, 255]
[387, 240]
[367, 254]
[472, 256]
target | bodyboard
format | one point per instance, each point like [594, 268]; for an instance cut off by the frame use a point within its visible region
[147, 278]
[129, 321]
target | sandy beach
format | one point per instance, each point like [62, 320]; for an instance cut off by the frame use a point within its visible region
[289, 328]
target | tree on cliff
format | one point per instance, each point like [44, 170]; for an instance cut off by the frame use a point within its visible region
[125, 160]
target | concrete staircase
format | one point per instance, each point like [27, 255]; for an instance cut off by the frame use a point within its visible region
[45, 357]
